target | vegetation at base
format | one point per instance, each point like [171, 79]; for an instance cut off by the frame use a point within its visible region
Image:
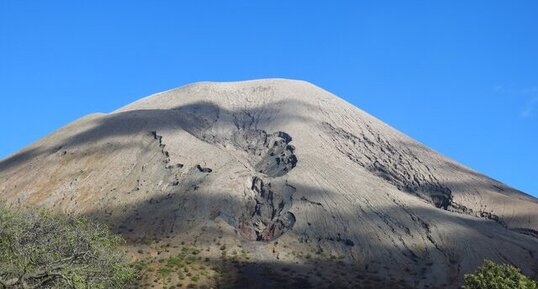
[498, 276]
[40, 249]
[186, 269]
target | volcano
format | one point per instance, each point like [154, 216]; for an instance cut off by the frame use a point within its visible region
[314, 192]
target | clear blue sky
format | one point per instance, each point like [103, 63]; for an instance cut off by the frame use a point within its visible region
[459, 76]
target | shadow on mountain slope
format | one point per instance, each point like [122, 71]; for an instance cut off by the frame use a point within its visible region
[192, 118]
[425, 244]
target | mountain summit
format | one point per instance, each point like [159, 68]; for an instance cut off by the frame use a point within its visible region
[311, 188]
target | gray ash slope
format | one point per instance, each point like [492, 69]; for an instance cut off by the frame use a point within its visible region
[279, 163]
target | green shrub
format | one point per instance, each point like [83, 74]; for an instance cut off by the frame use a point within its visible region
[39, 249]
[175, 261]
[497, 276]
[164, 271]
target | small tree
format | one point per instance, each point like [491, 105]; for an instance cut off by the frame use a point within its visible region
[498, 276]
[39, 249]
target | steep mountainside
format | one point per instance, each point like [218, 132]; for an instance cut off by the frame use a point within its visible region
[308, 186]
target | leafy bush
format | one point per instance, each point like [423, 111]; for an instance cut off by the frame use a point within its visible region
[39, 249]
[498, 276]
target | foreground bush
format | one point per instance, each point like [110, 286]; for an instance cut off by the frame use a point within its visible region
[39, 249]
[495, 276]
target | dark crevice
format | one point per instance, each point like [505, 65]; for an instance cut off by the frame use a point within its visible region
[303, 198]
[203, 170]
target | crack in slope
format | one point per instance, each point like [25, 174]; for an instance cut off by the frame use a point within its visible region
[402, 169]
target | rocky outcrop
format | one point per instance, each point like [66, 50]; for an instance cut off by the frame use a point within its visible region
[270, 216]
[272, 156]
